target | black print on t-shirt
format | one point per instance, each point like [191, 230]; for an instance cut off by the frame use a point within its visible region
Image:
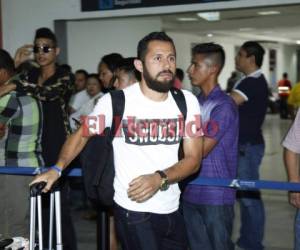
[152, 131]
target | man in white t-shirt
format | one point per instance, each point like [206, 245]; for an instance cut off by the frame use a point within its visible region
[81, 96]
[146, 164]
[93, 90]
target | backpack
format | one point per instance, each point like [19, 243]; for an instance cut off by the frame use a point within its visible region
[97, 159]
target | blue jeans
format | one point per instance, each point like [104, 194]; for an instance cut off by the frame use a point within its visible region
[149, 231]
[251, 205]
[209, 227]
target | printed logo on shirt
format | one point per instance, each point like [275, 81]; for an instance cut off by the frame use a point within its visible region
[153, 131]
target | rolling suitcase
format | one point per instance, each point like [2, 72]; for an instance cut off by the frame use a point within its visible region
[36, 209]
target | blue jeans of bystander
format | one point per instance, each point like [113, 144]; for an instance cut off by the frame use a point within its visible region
[251, 205]
[209, 227]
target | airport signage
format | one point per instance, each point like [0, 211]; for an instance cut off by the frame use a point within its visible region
[94, 5]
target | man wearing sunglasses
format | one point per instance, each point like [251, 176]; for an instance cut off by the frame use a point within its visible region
[53, 86]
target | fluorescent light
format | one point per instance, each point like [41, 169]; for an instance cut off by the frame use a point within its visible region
[246, 29]
[210, 16]
[270, 12]
[187, 19]
[210, 35]
[298, 42]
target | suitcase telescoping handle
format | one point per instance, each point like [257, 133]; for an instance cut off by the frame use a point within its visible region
[35, 198]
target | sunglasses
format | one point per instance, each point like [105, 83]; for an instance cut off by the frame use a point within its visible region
[44, 49]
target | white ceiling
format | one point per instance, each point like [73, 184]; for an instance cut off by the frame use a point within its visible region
[244, 23]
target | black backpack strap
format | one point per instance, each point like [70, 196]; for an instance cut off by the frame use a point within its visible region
[180, 101]
[118, 106]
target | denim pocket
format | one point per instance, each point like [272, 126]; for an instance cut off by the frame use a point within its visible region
[134, 218]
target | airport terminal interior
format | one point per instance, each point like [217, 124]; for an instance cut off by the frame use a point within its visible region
[86, 36]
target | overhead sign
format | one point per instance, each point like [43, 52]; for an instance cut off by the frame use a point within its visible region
[93, 5]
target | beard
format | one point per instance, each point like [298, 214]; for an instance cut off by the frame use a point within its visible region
[156, 85]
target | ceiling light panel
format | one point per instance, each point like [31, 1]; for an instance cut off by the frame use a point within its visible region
[210, 16]
[267, 13]
[187, 19]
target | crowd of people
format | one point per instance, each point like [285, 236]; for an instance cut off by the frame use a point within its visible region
[41, 105]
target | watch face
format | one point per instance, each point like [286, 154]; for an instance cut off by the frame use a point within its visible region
[165, 185]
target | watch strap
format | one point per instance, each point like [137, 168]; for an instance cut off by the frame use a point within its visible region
[162, 174]
[164, 180]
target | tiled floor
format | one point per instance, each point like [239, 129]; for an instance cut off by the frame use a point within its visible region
[280, 215]
[86, 232]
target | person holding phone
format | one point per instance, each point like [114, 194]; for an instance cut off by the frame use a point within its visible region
[53, 86]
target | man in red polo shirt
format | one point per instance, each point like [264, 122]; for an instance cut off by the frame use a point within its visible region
[284, 88]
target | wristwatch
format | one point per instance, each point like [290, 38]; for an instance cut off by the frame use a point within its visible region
[164, 180]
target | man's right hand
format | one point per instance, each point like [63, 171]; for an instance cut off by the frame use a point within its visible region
[23, 54]
[50, 177]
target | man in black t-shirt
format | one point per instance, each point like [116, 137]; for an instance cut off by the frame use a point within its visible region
[251, 94]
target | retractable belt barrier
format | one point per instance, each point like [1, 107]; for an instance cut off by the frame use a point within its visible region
[75, 172]
[204, 181]
[103, 217]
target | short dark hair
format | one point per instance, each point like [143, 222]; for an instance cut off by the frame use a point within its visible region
[285, 75]
[154, 36]
[127, 65]
[211, 50]
[45, 33]
[179, 74]
[94, 75]
[6, 61]
[111, 60]
[66, 67]
[82, 71]
[253, 48]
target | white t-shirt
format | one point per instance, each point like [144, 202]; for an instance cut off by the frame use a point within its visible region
[135, 156]
[85, 109]
[78, 99]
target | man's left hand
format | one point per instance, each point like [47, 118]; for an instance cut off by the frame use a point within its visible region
[144, 187]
